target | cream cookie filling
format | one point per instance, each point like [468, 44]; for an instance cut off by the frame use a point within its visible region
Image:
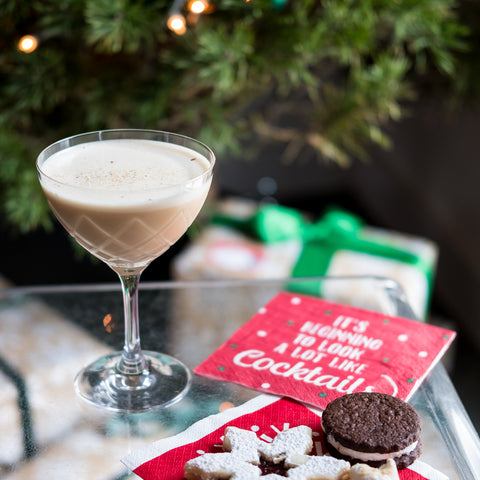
[369, 456]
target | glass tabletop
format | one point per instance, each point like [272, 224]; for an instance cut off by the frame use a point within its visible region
[47, 334]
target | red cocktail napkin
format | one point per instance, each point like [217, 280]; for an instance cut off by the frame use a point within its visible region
[266, 415]
[315, 351]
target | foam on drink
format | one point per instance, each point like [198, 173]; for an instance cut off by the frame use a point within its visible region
[109, 167]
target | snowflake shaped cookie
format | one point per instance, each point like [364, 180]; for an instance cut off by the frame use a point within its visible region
[244, 452]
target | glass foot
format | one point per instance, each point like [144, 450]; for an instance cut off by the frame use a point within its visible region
[164, 382]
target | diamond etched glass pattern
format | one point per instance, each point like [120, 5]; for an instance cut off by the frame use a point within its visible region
[131, 242]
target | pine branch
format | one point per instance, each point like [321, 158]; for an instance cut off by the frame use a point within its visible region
[327, 76]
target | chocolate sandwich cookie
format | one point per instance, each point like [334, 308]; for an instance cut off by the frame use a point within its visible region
[371, 428]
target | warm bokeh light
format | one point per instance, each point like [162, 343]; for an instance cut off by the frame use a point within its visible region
[177, 23]
[28, 43]
[198, 6]
[108, 323]
[225, 406]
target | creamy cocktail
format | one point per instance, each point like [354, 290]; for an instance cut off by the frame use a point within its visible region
[127, 196]
[126, 201]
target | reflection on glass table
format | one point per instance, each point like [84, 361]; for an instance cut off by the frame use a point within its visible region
[48, 333]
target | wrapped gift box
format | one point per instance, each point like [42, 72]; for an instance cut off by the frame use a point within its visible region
[246, 240]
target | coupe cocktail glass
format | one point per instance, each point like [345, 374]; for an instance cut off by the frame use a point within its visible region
[126, 196]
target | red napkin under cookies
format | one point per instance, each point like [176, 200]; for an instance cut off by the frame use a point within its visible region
[265, 415]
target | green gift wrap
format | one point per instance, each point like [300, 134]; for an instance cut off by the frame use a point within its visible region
[340, 243]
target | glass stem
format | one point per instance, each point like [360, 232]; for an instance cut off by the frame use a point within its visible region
[132, 362]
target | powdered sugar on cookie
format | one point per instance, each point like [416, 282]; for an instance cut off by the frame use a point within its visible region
[289, 443]
[319, 468]
[244, 452]
[220, 466]
[243, 444]
[361, 471]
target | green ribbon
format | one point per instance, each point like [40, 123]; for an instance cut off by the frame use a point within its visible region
[270, 223]
[336, 230]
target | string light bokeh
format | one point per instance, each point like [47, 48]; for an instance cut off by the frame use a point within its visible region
[177, 22]
[197, 6]
[28, 44]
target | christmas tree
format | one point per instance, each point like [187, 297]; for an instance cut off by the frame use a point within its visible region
[325, 75]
